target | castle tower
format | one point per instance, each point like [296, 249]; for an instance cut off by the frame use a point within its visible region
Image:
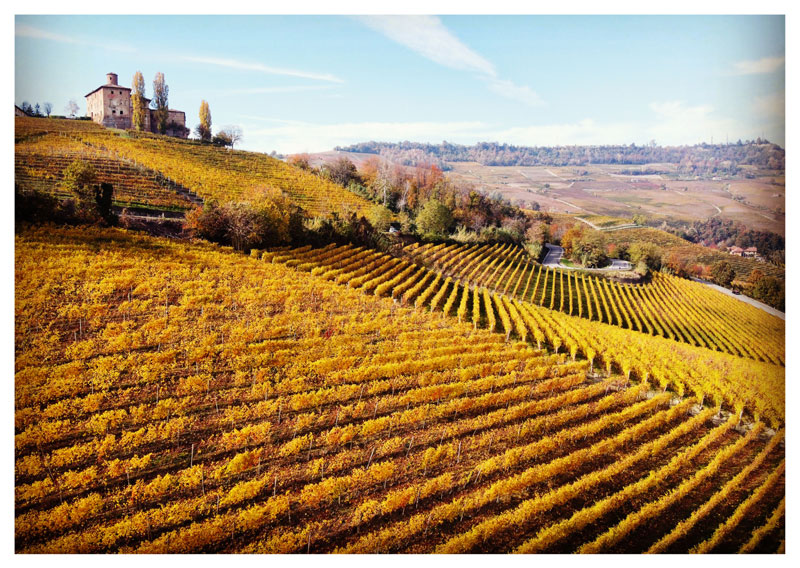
[110, 104]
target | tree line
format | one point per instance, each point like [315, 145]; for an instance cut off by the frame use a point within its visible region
[727, 232]
[697, 159]
[423, 201]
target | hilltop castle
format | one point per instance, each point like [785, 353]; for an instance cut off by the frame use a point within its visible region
[110, 105]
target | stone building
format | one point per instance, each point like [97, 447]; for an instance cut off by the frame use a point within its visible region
[111, 106]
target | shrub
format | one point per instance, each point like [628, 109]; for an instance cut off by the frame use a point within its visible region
[434, 220]
[722, 272]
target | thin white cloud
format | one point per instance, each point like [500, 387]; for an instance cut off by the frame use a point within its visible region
[24, 30]
[676, 123]
[429, 37]
[772, 105]
[275, 90]
[759, 66]
[520, 93]
[261, 68]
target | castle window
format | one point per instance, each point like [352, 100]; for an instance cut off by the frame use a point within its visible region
[120, 112]
[113, 112]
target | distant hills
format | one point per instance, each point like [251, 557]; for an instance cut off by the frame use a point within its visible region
[698, 159]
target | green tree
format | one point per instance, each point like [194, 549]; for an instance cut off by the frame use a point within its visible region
[434, 219]
[771, 291]
[91, 199]
[648, 253]
[722, 272]
[379, 217]
[204, 128]
[79, 179]
[160, 102]
[137, 101]
[590, 249]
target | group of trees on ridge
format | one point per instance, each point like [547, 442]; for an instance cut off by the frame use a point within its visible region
[421, 200]
[592, 249]
[727, 232]
[45, 110]
[697, 159]
[226, 136]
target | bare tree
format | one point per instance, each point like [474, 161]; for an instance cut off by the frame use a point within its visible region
[72, 108]
[232, 135]
[48, 108]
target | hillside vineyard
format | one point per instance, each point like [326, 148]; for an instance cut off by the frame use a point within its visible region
[670, 307]
[210, 172]
[181, 397]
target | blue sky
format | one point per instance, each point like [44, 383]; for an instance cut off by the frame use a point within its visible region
[308, 83]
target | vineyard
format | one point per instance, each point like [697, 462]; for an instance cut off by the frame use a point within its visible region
[39, 165]
[181, 397]
[45, 147]
[669, 307]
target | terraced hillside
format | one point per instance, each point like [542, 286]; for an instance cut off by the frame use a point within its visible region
[176, 397]
[207, 171]
[668, 306]
[39, 165]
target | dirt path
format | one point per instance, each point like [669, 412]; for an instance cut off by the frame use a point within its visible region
[606, 229]
[575, 206]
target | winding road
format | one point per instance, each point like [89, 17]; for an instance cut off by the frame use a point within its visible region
[743, 298]
[555, 253]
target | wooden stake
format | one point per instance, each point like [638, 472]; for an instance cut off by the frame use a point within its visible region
[191, 459]
[370, 457]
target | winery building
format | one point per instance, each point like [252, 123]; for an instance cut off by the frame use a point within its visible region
[110, 105]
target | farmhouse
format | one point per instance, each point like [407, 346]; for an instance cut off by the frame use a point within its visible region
[110, 105]
[751, 252]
